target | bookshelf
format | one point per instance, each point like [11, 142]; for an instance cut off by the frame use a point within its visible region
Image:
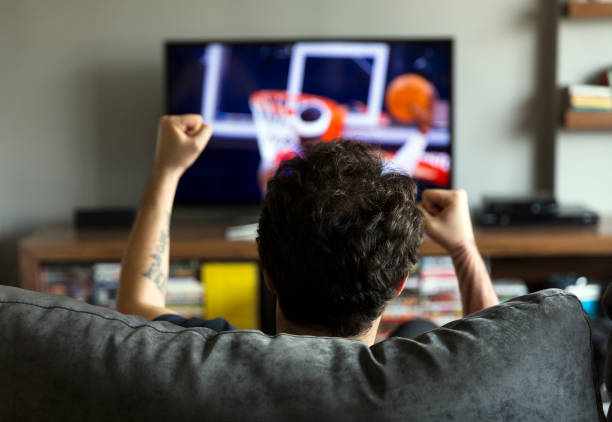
[587, 121]
[579, 120]
[589, 10]
[580, 145]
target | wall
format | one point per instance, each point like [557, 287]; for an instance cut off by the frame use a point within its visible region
[81, 88]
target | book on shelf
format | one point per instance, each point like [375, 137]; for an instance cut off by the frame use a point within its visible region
[232, 292]
[432, 293]
[582, 103]
[105, 283]
[98, 284]
[68, 280]
[404, 307]
[439, 290]
[509, 288]
[185, 292]
[590, 98]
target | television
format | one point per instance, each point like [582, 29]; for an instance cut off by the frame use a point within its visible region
[266, 99]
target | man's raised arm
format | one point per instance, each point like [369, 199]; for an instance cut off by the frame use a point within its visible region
[145, 264]
[447, 222]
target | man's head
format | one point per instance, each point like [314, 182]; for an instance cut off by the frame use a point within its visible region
[337, 236]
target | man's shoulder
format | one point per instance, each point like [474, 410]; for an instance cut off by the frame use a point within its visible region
[217, 324]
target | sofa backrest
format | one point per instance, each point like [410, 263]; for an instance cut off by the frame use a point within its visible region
[528, 359]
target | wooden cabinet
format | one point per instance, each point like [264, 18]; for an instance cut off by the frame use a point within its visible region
[528, 253]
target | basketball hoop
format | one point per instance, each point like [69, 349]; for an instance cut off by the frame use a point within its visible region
[283, 120]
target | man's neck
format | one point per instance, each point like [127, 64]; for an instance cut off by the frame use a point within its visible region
[284, 326]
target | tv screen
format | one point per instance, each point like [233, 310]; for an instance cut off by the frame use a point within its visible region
[265, 99]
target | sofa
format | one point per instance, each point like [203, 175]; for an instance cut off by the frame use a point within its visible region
[528, 359]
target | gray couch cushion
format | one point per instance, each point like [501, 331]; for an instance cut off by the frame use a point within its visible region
[528, 359]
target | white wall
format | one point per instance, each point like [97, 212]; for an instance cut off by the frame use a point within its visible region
[584, 159]
[81, 89]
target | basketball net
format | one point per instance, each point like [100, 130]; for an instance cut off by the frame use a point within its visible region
[273, 113]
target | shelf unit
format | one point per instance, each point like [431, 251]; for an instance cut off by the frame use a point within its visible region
[580, 120]
[589, 10]
[580, 148]
[574, 120]
[528, 253]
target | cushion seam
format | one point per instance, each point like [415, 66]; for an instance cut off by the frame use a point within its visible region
[193, 329]
[104, 317]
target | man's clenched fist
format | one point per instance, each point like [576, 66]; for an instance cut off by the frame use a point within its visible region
[447, 217]
[180, 140]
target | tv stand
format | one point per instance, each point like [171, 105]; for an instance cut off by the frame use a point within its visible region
[225, 215]
[531, 253]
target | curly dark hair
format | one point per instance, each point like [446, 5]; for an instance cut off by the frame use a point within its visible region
[337, 235]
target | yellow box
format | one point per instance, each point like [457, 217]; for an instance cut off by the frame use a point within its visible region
[232, 292]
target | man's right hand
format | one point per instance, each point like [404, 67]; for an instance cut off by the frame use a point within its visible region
[180, 140]
[447, 218]
[145, 265]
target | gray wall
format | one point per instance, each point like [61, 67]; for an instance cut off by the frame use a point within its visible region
[81, 89]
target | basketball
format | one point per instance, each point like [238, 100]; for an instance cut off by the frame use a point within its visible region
[407, 93]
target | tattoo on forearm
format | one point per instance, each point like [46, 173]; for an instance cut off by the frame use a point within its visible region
[474, 281]
[155, 272]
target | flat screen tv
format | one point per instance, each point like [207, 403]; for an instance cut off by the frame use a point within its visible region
[265, 99]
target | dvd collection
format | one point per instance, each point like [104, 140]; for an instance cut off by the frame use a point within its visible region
[98, 283]
[431, 292]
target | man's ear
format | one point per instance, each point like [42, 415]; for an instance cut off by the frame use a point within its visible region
[269, 282]
[401, 285]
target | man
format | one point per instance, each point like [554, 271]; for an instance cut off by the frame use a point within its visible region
[338, 235]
